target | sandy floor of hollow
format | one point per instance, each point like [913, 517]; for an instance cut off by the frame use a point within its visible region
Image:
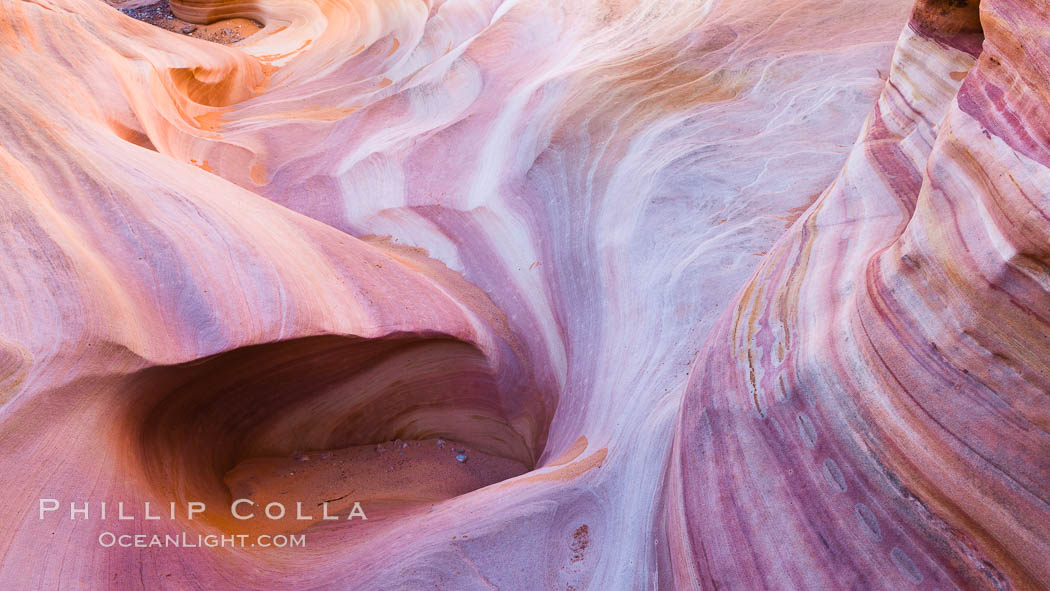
[225, 32]
[383, 478]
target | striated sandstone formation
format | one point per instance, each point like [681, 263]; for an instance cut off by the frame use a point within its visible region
[589, 294]
[877, 393]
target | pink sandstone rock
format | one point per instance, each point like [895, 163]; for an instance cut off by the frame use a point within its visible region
[705, 294]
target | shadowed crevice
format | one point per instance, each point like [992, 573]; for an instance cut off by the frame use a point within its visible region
[316, 416]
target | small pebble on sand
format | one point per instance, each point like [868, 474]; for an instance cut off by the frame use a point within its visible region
[461, 458]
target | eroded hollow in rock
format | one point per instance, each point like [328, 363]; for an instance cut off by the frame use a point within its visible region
[389, 423]
[225, 31]
[956, 23]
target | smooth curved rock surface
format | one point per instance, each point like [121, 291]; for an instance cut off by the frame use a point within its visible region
[711, 295]
[881, 380]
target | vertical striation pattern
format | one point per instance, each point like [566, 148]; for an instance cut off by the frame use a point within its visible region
[877, 392]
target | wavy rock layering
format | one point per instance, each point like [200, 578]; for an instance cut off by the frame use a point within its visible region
[714, 294]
